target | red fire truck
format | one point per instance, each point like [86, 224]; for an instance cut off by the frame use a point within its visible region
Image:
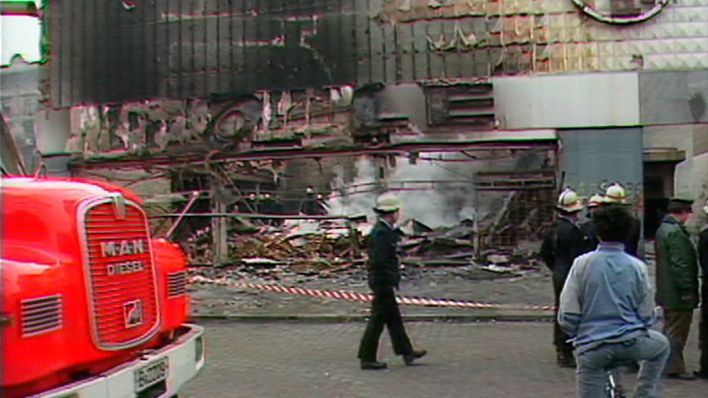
[90, 304]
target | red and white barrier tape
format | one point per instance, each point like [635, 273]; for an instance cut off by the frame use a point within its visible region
[354, 296]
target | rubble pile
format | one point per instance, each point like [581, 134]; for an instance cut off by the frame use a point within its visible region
[325, 249]
[302, 247]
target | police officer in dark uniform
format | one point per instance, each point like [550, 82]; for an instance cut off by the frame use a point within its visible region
[558, 251]
[384, 277]
[676, 282]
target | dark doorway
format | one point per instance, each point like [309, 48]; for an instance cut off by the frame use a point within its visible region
[658, 188]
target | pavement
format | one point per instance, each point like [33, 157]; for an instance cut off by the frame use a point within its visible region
[265, 344]
[256, 359]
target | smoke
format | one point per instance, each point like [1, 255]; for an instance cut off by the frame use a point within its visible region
[353, 197]
[437, 190]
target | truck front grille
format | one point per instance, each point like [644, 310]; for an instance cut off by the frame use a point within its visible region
[41, 315]
[120, 273]
[176, 284]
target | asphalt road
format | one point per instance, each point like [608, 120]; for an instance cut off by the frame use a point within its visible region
[305, 359]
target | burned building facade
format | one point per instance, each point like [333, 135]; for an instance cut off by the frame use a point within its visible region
[602, 91]
[105, 53]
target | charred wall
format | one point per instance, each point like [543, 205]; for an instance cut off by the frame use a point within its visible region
[101, 52]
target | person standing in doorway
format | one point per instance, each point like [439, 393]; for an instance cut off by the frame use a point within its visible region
[702, 372]
[384, 277]
[676, 282]
[559, 249]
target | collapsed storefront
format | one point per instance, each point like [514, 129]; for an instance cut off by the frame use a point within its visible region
[252, 103]
[333, 153]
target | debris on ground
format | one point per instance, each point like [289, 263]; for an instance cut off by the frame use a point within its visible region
[299, 249]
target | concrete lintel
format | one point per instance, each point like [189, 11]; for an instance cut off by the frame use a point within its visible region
[669, 155]
[458, 137]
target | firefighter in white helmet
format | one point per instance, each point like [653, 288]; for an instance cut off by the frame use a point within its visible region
[558, 251]
[569, 202]
[595, 201]
[616, 194]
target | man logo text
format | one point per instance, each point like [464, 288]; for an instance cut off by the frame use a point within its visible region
[117, 248]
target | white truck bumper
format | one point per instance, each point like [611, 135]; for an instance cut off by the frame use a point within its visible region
[161, 373]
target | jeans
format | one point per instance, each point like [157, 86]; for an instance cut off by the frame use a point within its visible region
[651, 349]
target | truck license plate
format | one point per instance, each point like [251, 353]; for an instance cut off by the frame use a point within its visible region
[151, 374]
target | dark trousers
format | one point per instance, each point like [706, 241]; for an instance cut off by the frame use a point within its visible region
[703, 328]
[677, 325]
[560, 339]
[384, 312]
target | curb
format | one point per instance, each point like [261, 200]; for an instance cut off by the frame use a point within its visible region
[487, 316]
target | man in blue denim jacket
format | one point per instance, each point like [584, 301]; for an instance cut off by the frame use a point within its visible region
[607, 307]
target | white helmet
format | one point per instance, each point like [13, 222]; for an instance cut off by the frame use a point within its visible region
[705, 208]
[388, 203]
[596, 200]
[569, 201]
[616, 193]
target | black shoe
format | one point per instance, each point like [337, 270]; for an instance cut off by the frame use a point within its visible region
[413, 355]
[680, 376]
[701, 374]
[373, 365]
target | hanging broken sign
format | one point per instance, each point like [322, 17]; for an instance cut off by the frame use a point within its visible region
[621, 12]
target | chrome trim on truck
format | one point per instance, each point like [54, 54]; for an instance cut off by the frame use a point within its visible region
[41, 315]
[83, 211]
[120, 381]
